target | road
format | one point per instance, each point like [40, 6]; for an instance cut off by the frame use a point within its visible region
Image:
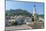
[19, 27]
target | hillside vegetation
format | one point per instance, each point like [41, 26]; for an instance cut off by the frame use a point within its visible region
[18, 12]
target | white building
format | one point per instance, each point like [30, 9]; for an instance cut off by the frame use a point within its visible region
[28, 20]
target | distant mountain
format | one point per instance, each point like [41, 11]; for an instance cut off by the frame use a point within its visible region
[12, 12]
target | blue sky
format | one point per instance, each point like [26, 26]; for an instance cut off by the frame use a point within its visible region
[25, 6]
